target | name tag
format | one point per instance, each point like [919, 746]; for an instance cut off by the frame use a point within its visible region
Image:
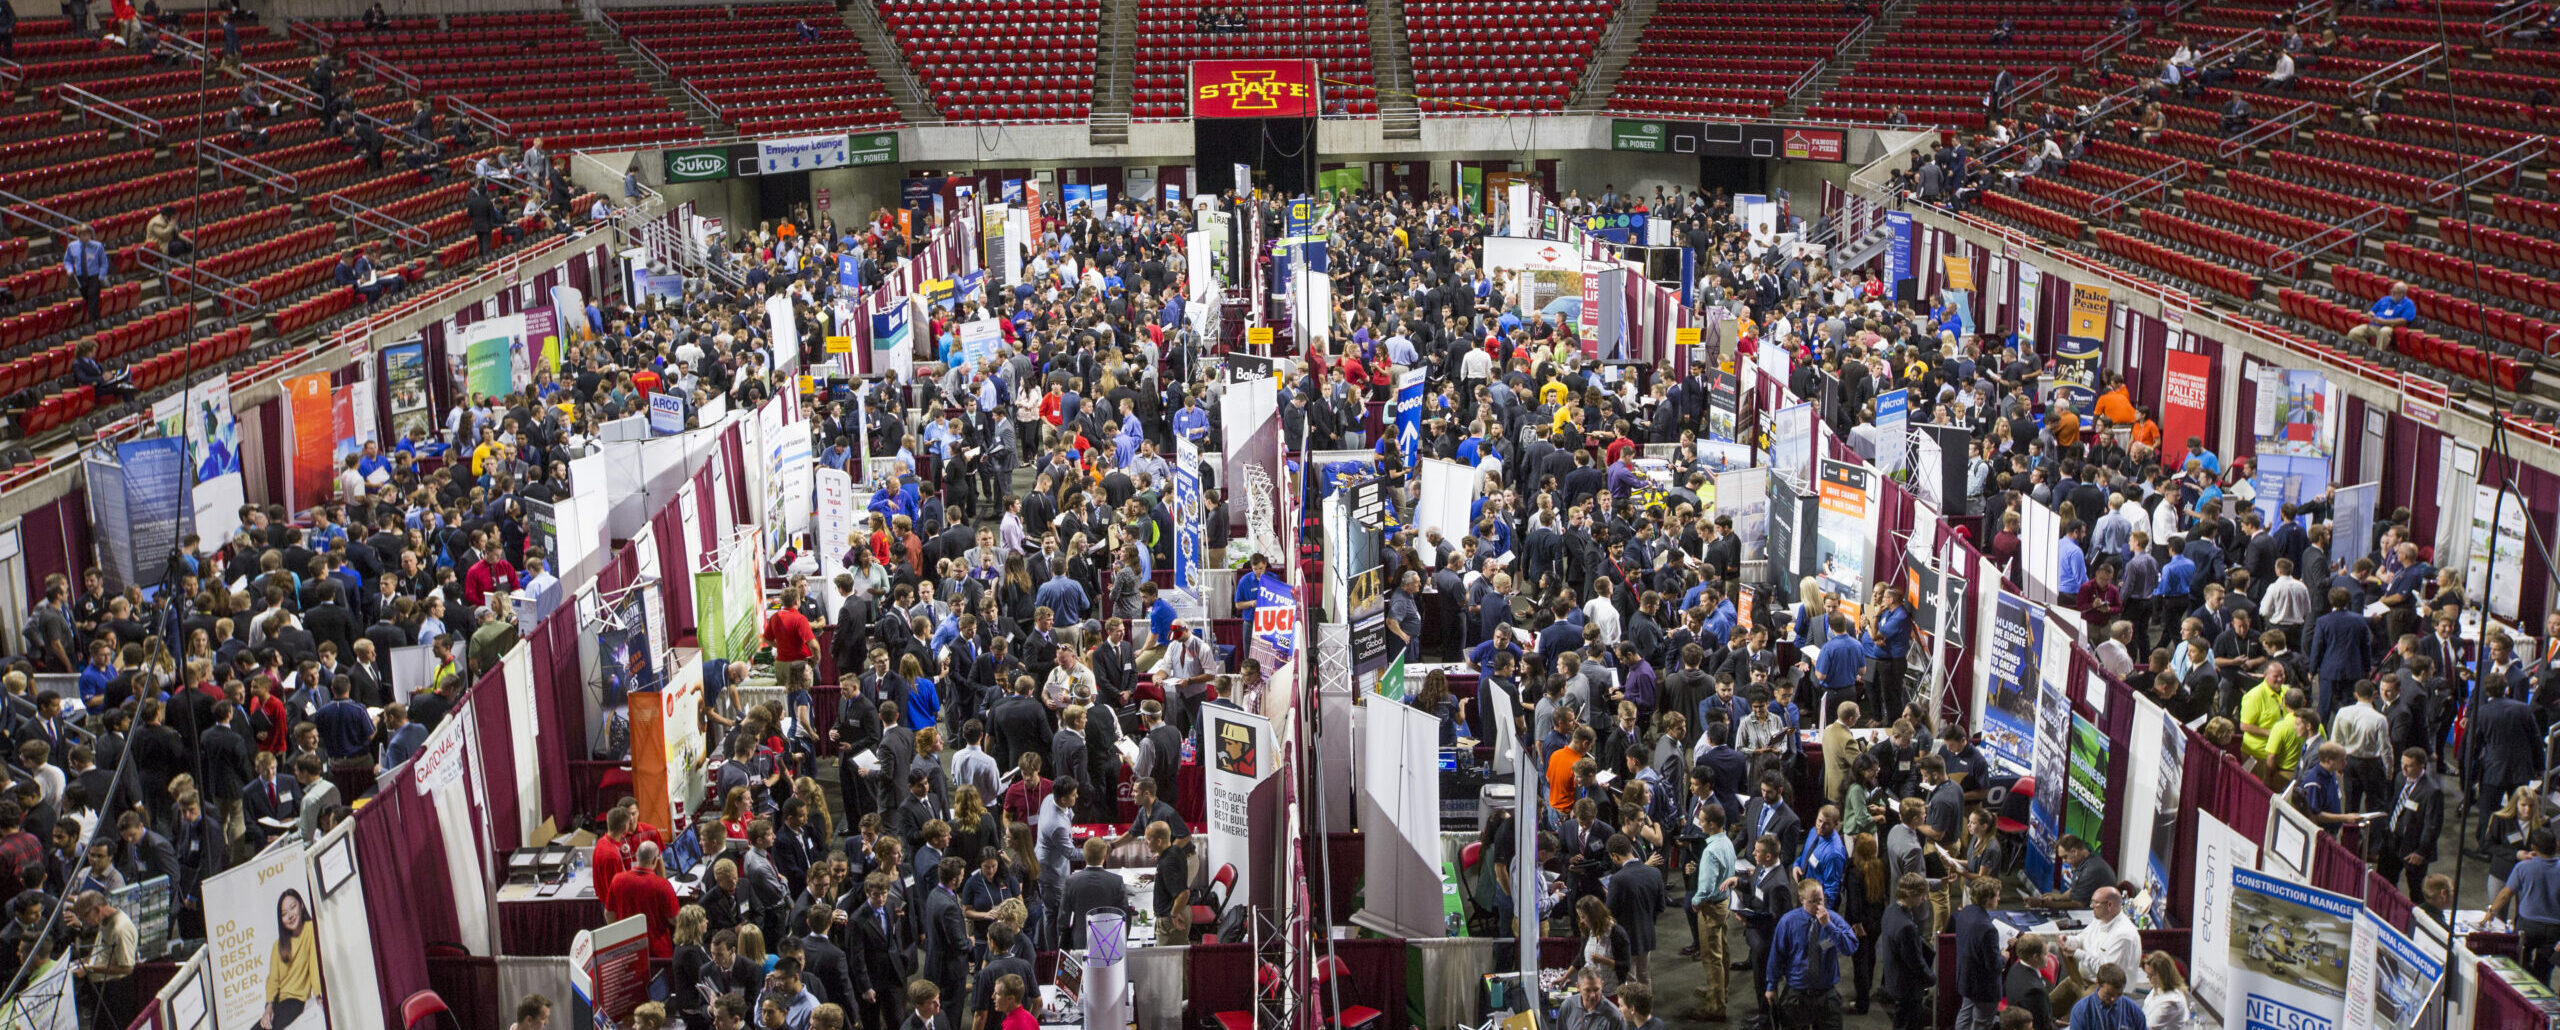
[1826, 944]
[2411, 804]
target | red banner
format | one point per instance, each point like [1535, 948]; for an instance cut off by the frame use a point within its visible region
[312, 413]
[1253, 89]
[2186, 391]
[1814, 144]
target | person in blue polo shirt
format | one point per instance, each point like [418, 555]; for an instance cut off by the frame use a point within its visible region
[2389, 312]
[1803, 970]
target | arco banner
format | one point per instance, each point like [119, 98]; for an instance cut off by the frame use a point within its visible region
[1254, 89]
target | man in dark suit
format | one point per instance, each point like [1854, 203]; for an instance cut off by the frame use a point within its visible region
[229, 765]
[908, 822]
[1585, 841]
[1979, 962]
[1771, 815]
[2341, 651]
[1115, 665]
[946, 931]
[830, 973]
[1067, 748]
[267, 797]
[330, 622]
[857, 730]
[1017, 724]
[196, 844]
[1759, 899]
[2504, 749]
[1909, 953]
[2405, 705]
[2407, 843]
[883, 954]
[1101, 776]
[1636, 901]
[1090, 888]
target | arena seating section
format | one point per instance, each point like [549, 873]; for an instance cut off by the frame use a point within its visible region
[1335, 33]
[537, 73]
[1499, 56]
[1000, 60]
[1936, 67]
[1729, 58]
[266, 217]
[2316, 218]
[751, 67]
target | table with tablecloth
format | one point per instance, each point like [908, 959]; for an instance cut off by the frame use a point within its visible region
[531, 924]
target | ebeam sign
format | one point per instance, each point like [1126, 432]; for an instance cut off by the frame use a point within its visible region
[1254, 89]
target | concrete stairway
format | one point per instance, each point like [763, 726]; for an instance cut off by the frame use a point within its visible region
[887, 61]
[1391, 64]
[1887, 21]
[1616, 48]
[1115, 73]
[648, 74]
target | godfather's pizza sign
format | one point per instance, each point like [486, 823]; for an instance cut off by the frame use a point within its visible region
[1254, 89]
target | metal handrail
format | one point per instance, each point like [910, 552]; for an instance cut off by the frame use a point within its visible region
[701, 98]
[1805, 81]
[2327, 238]
[412, 236]
[1855, 36]
[2112, 42]
[267, 175]
[12, 73]
[499, 127]
[870, 11]
[382, 69]
[288, 89]
[303, 28]
[2460, 181]
[2231, 148]
[66, 226]
[2416, 62]
[92, 104]
[173, 268]
[650, 56]
[2152, 183]
[188, 49]
[2497, 28]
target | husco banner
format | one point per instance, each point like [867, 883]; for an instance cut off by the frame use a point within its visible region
[1253, 89]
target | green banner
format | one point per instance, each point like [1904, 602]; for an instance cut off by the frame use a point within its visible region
[1629, 134]
[874, 148]
[1391, 682]
[488, 368]
[698, 164]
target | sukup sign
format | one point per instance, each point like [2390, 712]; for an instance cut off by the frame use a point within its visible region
[1253, 89]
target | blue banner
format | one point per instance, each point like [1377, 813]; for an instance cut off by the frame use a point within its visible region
[156, 501]
[1409, 418]
[1013, 191]
[1275, 622]
[1189, 519]
[1075, 193]
[1897, 257]
[848, 272]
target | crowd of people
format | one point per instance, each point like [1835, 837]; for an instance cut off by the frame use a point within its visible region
[1001, 631]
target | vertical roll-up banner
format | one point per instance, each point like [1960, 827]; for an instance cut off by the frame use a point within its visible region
[265, 940]
[2050, 758]
[2083, 347]
[1893, 428]
[1897, 255]
[1409, 416]
[213, 454]
[1844, 531]
[1190, 521]
[110, 522]
[2186, 391]
[2017, 649]
[311, 421]
[1240, 750]
[155, 491]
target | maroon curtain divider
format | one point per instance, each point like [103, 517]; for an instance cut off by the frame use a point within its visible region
[1217, 978]
[2540, 491]
[45, 549]
[493, 714]
[2335, 868]
[2502, 1005]
[674, 586]
[2386, 901]
[408, 894]
[2244, 413]
[1373, 975]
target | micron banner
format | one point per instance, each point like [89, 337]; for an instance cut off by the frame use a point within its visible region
[1254, 89]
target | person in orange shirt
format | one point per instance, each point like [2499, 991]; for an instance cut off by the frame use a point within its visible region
[2065, 423]
[1561, 789]
[2116, 406]
[643, 890]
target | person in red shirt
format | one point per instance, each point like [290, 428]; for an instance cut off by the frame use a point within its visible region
[646, 381]
[643, 890]
[491, 572]
[792, 639]
[612, 855]
[1008, 999]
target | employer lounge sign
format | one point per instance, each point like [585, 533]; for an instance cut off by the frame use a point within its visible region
[803, 153]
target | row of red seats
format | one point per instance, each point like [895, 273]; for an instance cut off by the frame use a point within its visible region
[192, 208]
[2045, 41]
[430, 38]
[2501, 243]
[86, 67]
[1662, 76]
[2461, 271]
[2027, 20]
[2411, 341]
[759, 125]
[2414, 28]
[1891, 98]
[223, 233]
[314, 310]
[122, 85]
[546, 77]
[2336, 205]
[140, 334]
[277, 285]
[191, 360]
[1979, 72]
[233, 264]
[2518, 83]
[2184, 266]
[491, 100]
[606, 136]
[114, 196]
[629, 18]
[13, 251]
[2223, 241]
[37, 283]
[2196, 145]
[517, 18]
[546, 128]
[2470, 316]
[1825, 38]
[459, 253]
[2054, 222]
[1978, 54]
[398, 56]
[2422, 192]
[2490, 109]
[1975, 119]
[2442, 162]
[480, 66]
[2464, 134]
[37, 182]
[54, 148]
[2214, 205]
[57, 411]
[29, 326]
[2069, 196]
[2541, 214]
[1730, 50]
[31, 123]
[541, 108]
[1623, 101]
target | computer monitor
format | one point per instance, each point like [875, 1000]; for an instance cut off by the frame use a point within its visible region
[684, 853]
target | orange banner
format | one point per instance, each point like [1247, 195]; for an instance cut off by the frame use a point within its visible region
[312, 412]
[1254, 89]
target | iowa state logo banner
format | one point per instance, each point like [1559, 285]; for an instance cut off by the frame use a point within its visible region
[1253, 89]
